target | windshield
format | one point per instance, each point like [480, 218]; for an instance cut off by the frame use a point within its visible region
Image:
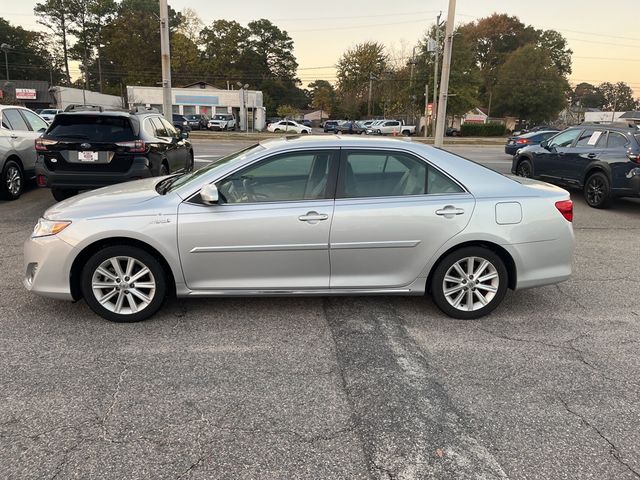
[222, 117]
[186, 179]
[94, 128]
[47, 112]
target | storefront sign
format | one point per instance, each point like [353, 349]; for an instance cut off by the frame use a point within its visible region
[197, 100]
[26, 93]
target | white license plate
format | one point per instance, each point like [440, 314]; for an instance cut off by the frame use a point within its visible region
[87, 156]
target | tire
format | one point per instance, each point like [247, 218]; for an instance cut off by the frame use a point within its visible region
[61, 194]
[277, 130]
[524, 168]
[12, 181]
[406, 133]
[492, 290]
[597, 190]
[304, 132]
[190, 163]
[124, 301]
[164, 170]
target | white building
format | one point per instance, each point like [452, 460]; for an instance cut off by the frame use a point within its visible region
[602, 116]
[204, 98]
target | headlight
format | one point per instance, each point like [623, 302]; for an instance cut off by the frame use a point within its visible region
[46, 227]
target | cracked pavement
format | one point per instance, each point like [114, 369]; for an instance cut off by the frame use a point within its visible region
[315, 388]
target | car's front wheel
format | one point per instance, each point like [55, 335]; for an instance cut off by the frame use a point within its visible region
[469, 283]
[124, 284]
[597, 191]
[524, 169]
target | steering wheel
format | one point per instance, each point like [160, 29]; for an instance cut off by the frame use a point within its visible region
[252, 195]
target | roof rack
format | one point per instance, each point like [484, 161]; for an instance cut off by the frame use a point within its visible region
[616, 123]
[79, 107]
[143, 109]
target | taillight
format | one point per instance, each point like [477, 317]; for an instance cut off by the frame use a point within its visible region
[565, 207]
[136, 146]
[634, 157]
[522, 140]
[42, 180]
[43, 143]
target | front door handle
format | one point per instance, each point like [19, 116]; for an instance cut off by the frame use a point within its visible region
[13, 136]
[449, 211]
[313, 217]
[592, 155]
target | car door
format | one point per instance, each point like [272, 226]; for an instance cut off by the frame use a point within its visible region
[586, 150]
[21, 137]
[270, 229]
[175, 147]
[615, 155]
[549, 162]
[393, 211]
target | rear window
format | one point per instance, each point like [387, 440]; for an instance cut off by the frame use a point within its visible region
[94, 128]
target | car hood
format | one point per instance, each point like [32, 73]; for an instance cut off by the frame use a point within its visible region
[114, 199]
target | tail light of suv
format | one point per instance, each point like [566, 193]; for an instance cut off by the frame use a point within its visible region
[565, 207]
[43, 143]
[136, 146]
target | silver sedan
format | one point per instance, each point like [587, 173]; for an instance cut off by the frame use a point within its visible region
[307, 216]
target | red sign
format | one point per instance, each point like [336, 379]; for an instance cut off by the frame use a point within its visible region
[26, 93]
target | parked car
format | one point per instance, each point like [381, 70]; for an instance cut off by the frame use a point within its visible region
[198, 121]
[180, 123]
[330, 126]
[391, 127]
[307, 123]
[288, 126]
[86, 150]
[515, 143]
[276, 219]
[452, 132]
[49, 113]
[223, 121]
[537, 128]
[602, 160]
[19, 128]
[350, 128]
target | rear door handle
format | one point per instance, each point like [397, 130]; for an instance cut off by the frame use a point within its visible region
[13, 136]
[449, 211]
[313, 217]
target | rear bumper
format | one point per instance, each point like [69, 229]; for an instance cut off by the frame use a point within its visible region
[140, 168]
[511, 149]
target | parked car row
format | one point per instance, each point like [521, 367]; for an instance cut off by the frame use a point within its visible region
[87, 148]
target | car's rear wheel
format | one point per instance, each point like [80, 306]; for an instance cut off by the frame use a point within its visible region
[597, 191]
[164, 169]
[12, 180]
[277, 130]
[124, 284]
[469, 283]
[63, 193]
[524, 169]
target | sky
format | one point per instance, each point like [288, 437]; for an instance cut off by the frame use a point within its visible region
[604, 37]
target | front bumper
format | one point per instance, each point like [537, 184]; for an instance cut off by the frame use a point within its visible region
[140, 168]
[217, 126]
[46, 270]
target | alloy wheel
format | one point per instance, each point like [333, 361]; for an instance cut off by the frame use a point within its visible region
[596, 190]
[524, 169]
[470, 283]
[14, 180]
[123, 285]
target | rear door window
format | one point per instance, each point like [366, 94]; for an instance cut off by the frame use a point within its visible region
[616, 140]
[591, 138]
[93, 128]
[14, 119]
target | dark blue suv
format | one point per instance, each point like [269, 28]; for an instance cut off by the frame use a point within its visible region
[601, 159]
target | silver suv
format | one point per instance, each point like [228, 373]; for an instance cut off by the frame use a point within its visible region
[19, 129]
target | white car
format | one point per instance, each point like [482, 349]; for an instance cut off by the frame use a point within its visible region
[222, 121]
[49, 113]
[288, 126]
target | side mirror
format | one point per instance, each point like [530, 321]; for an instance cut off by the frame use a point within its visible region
[184, 135]
[545, 144]
[209, 194]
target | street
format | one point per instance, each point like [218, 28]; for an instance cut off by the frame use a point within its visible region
[545, 387]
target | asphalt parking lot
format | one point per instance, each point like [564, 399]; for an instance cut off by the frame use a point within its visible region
[547, 387]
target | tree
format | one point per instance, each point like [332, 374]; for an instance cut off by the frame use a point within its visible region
[555, 45]
[224, 43]
[185, 59]
[190, 24]
[354, 70]
[586, 95]
[30, 58]
[323, 96]
[273, 48]
[617, 97]
[530, 86]
[287, 111]
[54, 14]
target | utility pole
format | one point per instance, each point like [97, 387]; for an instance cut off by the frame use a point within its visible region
[412, 108]
[426, 110]
[444, 79]
[369, 102]
[434, 109]
[615, 101]
[167, 106]
[5, 47]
